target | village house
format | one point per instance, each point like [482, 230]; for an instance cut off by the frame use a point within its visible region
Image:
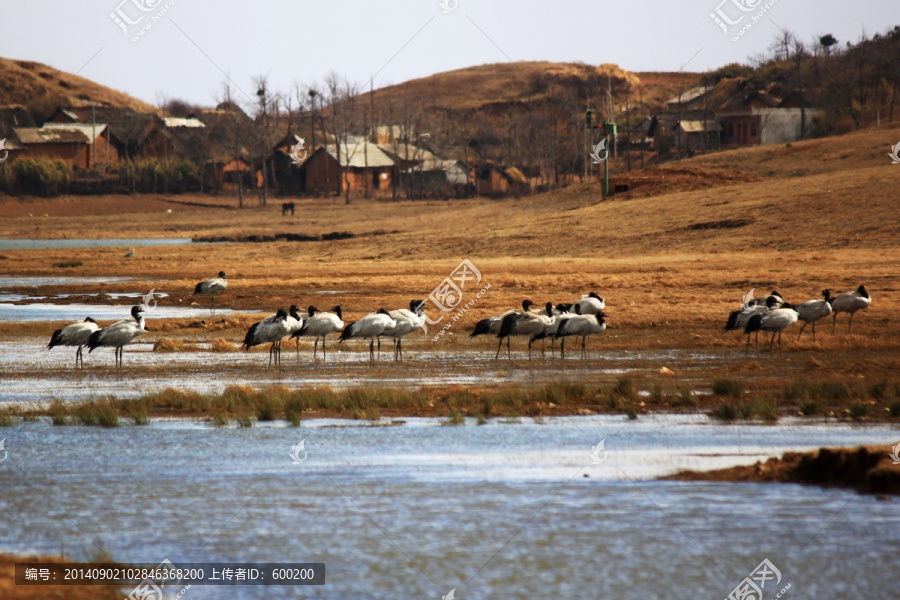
[79, 146]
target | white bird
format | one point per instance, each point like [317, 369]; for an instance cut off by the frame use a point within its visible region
[130, 254]
[211, 287]
[591, 304]
[270, 330]
[369, 327]
[582, 326]
[554, 315]
[405, 322]
[319, 325]
[738, 319]
[775, 321]
[294, 323]
[813, 310]
[119, 334]
[492, 325]
[76, 334]
[849, 303]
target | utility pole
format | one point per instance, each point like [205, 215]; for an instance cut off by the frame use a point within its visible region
[261, 92]
[312, 126]
[94, 134]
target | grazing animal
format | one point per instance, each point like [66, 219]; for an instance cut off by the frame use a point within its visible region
[849, 303]
[270, 330]
[491, 326]
[582, 326]
[287, 206]
[119, 334]
[405, 322]
[76, 334]
[524, 323]
[775, 321]
[813, 310]
[590, 304]
[369, 327]
[319, 325]
[211, 287]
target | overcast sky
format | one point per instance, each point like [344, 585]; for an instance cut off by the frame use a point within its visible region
[189, 50]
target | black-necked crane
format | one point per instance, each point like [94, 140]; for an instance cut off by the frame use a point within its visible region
[119, 334]
[738, 319]
[211, 287]
[76, 334]
[319, 324]
[813, 310]
[405, 322]
[491, 326]
[370, 327]
[521, 324]
[775, 321]
[590, 304]
[270, 330]
[582, 326]
[551, 317]
[851, 302]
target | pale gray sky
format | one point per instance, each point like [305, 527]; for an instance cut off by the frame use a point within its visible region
[185, 53]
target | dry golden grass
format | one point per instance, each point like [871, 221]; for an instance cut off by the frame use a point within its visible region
[671, 266]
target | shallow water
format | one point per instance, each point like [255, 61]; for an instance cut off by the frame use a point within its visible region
[494, 511]
[66, 313]
[30, 244]
[7, 281]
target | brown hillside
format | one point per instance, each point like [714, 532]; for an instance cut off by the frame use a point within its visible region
[527, 82]
[42, 88]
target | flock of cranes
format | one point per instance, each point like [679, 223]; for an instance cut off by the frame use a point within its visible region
[774, 314]
[580, 319]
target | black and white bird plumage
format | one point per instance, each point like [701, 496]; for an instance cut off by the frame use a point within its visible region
[589, 304]
[775, 321]
[119, 334]
[76, 334]
[370, 327]
[851, 302]
[491, 326]
[405, 322]
[582, 326]
[524, 323]
[270, 330]
[319, 324]
[211, 287]
[813, 310]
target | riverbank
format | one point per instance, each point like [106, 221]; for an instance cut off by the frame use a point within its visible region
[868, 469]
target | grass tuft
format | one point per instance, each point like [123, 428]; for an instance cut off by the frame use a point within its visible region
[728, 387]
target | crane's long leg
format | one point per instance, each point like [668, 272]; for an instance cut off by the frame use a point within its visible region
[562, 349]
[323, 347]
[499, 345]
[833, 322]
[850, 324]
[372, 351]
[583, 349]
[814, 330]
[804, 327]
[508, 349]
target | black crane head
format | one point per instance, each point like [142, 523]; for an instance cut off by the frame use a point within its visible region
[294, 310]
[338, 312]
[221, 274]
[90, 320]
[416, 305]
[826, 293]
[281, 314]
[595, 296]
[549, 309]
[862, 291]
[136, 312]
[312, 310]
[382, 311]
[526, 304]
